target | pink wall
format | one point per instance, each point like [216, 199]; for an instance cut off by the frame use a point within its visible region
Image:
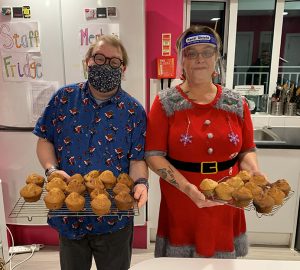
[161, 17]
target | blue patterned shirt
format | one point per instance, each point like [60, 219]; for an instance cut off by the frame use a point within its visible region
[87, 136]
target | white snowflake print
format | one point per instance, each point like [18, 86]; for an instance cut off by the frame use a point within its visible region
[185, 139]
[233, 138]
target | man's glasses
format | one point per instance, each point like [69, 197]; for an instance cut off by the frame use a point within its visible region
[192, 54]
[100, 60]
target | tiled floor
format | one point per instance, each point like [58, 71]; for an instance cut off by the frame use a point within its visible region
[48, 256]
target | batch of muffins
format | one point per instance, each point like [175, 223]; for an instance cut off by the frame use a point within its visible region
[243, 189]
[71, 192]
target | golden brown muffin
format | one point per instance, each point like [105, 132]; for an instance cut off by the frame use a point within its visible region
[75, 202]
[108, 179]
[97, 191]
[101, 205]
[91, 175]
[75, 186]
[54, 199]
[244, 175]
[35, 178]
[235, 182]
[242, 197]
[56, 183]
[224, 191]
[121, 187]
[76, 177]
[263, 203]
[93, 184]
[55, 175]
[255, 189]
[277, 195]
[31, 192]
[283, 185]
[124, 178]
[259, 180]
[124, 201]
[207, 187]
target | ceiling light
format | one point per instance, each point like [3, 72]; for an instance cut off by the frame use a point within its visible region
[285, 13]
[215, 19]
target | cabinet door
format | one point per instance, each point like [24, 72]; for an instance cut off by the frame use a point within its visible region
[278, 164]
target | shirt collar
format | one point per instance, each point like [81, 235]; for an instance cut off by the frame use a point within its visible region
[114, 99]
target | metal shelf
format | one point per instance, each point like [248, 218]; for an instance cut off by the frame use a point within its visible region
[30, 210]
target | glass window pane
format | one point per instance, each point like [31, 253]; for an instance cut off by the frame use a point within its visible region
[255, 27]
[289, 64]
[211, 14]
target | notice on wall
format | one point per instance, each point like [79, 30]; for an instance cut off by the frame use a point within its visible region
[20, 36]
[88, 34]
[253, 90]
[41, 93]
[21, 66]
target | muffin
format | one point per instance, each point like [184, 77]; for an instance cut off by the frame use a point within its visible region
[56, 183]
[277, 195]
[283, 185]
[92, 174]
[124, 178]
[242, 197]
[54, 199]
[75, 202]
[255, 189]
[101, 205]
[120, 187]
[55, 175]
[259, 180]
[97, 191]
[236, 182]
[263, 203]
[35, 178]
[75, 186]
[93, 184]
[31, 192]
[207, 187]
[244, 175]
[224, 191]
[76, 177]
[108, 179]
[124, 201]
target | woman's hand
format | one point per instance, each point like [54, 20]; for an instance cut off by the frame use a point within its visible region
[64, 174]
[198, 198]
[140, 194]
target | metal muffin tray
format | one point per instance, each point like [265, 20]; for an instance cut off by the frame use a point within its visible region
[252, 207]
[30, 210]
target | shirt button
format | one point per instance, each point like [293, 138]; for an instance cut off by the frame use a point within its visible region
[207, 122]
[210, 151]
[210, 135]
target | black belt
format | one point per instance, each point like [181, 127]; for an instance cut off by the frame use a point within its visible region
[209, 167]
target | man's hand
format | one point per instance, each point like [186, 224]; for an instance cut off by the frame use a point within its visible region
[140, 194]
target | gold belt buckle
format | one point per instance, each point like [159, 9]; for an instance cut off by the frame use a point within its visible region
[211, 165]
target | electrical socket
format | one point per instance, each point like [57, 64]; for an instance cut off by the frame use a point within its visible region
[24, 249]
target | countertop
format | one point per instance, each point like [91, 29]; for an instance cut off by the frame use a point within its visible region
[214, 264]
[289, 135]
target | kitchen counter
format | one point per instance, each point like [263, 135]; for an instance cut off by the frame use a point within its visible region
[290, 138]
[214, 264]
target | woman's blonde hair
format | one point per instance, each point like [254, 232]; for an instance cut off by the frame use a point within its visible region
[111, 40]
[196, 29]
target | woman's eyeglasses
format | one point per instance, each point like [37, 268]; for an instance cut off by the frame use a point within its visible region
[101, 59]
[192, 54]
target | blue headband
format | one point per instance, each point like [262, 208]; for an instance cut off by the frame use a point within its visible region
[199, 38]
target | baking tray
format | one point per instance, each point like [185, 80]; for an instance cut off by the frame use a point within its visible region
[30, 210]
[251, 206]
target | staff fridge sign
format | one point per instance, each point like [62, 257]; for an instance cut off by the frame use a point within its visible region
[20, 37]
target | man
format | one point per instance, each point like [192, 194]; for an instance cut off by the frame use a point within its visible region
[88, 126]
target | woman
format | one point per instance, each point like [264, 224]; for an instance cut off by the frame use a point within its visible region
[199, 130]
